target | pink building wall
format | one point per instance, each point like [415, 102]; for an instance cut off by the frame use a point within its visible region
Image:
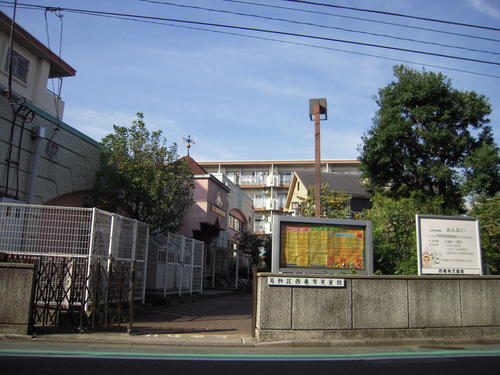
[210, 206]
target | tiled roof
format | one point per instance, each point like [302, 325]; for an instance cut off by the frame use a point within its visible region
[194, 166]
[347, 182]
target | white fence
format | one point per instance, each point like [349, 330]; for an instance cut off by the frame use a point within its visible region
[34, 231]
[175, 265]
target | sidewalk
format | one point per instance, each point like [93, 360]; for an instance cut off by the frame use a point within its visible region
[215, 319]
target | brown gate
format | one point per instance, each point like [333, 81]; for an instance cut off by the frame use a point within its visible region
[81, 293]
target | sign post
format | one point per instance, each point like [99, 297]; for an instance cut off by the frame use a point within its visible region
[448, 245]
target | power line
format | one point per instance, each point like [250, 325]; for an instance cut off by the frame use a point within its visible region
[394, 14]
[267, 31]
[361, 19]
[296, 44]
[317, 25]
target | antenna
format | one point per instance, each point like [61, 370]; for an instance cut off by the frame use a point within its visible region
[188, 142]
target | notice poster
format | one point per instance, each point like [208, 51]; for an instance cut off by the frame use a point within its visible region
[448, 245]
[320, 246]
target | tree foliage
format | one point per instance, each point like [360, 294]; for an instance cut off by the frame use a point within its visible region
[394, 231]
[250, 244]
[141, 177]
[334, 204]
[487, 210]
[429, 137]
[482, 168]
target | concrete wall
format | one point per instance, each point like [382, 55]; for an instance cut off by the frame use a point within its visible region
[376, 303]
[69, 168]
[16, 289]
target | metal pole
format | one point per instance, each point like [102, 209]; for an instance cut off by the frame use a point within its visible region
[131, 298]
[181, 261]
[213, 268]
[11, 54]
[317, 163]
[165, 269]
[38, 134]
[192, 268]
[237, 266]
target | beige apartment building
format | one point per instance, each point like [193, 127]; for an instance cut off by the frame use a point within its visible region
[267, 182]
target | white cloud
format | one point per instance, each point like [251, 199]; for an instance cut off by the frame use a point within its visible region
[486, 7]
[98, 123]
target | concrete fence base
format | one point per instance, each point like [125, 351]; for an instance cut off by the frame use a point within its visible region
[384, 308]
[16, 290]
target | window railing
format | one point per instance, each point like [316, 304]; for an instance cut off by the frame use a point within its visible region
[260, 202]
[286, 180]
[252, 180]
[262, 227]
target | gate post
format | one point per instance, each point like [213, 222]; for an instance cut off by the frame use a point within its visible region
[181, 261]
[192, 268]
[131, 298]
[89, 261]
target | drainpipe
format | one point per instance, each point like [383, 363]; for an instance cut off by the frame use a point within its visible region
[38, 135]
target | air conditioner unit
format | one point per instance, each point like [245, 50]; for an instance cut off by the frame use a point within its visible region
[273, 180]
[271, 204]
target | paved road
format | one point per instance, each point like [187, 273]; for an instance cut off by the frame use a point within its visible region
[120, 365]
[229, 314]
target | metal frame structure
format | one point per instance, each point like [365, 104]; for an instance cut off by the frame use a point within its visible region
[84, 234]
[179, 265]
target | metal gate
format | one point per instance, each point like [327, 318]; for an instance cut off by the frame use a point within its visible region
[90, 264]
[176, 265]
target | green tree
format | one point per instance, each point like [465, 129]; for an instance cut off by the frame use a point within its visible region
[267, 244]
[250, 244]
[334, 204]
[487, 210]
[482, 168]
[394, 231]
[141, 177]
[424, 136]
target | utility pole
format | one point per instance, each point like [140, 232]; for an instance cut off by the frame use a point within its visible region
[317, 111]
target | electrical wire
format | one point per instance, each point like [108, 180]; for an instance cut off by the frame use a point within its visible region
[302, 45]
[127, 18]
[360, 19]
[393, 14]
[267, 31]
[317, 25]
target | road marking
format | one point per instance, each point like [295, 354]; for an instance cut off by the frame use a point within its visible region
[253, 357]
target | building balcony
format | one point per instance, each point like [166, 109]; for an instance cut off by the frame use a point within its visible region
[268, 203]
[261, 227]
[51, 103]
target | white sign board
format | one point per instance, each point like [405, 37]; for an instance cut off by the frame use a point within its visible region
[319, 282]
[448, 245]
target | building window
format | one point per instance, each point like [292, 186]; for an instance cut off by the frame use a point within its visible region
[162, 256]
[235, 224]
[20, 66]
[286, 178]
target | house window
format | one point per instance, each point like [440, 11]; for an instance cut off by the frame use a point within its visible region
[20, 66]
[235, 224]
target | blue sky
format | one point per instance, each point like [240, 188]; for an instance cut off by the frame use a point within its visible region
[245, 98]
